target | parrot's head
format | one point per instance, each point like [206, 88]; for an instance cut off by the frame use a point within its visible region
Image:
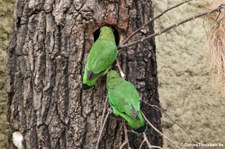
[111, 76]
[106, 29]
[106, 32]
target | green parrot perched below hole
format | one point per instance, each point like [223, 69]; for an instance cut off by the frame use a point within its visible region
[125, 101]
[102, 55]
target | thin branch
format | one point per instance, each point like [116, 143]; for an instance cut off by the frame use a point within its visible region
[172, 26]
[146, 140]
[126, 137]
[158, 147]
[124, 143]
[170, 118]
[151, 20]
[101, 130]
[104, 110]
[159, 131]
[120, 69]
[142, 143]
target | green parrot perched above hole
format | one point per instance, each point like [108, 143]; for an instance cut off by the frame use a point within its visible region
[125, 101]
[102, 55]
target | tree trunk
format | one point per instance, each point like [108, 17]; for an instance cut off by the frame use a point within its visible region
[48, 47]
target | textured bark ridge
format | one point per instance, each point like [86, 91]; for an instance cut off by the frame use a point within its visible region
[48, 47]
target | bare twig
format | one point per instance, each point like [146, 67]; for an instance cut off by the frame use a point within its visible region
[170, 118]
[159, 131]
[120, 69]
[101, 131]
[102, 125]
[142, 143]
[104, 110]
[126, 135]
[151, 20]
[172, 26]
[145, 140]
[124, 143]
[158, 147]
[126, 138]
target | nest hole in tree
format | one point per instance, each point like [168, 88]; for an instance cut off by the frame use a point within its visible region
[115, 31]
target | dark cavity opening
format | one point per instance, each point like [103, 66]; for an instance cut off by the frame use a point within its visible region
[115, 31]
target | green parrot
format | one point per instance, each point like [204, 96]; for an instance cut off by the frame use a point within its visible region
[102, 55]
[125, 101]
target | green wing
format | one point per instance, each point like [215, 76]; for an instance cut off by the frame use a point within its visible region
[124, 98]
[103, 53]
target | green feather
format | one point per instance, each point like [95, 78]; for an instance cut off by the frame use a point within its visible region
[125, 101]
[102, 55]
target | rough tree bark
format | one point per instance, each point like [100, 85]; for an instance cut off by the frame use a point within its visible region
[48, 47]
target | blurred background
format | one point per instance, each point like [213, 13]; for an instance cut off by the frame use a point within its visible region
[187, 92]
[186, 88]
[6, 8]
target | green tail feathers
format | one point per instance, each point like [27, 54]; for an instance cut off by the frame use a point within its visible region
[125, 101]
[138, 125]
[102, 55]
[87, 84]
[90, 79]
